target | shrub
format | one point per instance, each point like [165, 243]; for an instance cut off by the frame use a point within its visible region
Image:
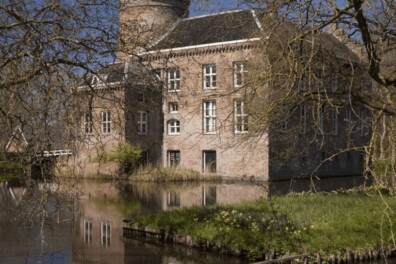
[125, 155]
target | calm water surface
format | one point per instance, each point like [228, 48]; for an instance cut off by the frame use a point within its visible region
[81, 222]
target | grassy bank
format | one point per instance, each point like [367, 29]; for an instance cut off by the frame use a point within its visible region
[327, 223]
[10, 170]
[171, 174]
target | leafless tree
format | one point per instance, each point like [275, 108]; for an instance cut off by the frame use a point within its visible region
[46, 48]
[367, 28]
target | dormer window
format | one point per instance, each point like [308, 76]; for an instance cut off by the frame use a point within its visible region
[95, 80]
[98, 79]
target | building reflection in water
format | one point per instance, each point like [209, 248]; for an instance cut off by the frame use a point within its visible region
[98, 232]
[99, 208]
[102, 207]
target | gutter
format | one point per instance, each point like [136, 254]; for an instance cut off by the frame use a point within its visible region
[224, 43]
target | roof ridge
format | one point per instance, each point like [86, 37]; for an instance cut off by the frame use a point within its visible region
[257, 20]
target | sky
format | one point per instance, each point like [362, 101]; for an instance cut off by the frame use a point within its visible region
[201, 7]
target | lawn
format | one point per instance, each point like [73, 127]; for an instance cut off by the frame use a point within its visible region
[326, 223]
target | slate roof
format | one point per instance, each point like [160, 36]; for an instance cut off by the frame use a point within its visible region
[238, 25]
[215, 28]
[119, 72]
[334, 46]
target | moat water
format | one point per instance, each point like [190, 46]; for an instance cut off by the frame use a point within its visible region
[81, 221]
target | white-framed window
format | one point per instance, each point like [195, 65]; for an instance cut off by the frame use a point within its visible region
[303, 119]
[363, 126]
[303, 83]
[173, 107]
[88, 123]
[334, 83]
[348, 120]
[240, 70]
[173, 158]
[284, 126]
[173, 127]
[173, 198]
[209, 77]
[106, 122]
[209, 122]
[334, 121]
[140, 97]
[174, 80]
[142, 122]
[87, 231]
[240, 117]
[105, 234]
[321, 121]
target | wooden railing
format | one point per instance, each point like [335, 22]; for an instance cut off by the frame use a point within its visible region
[55, 153]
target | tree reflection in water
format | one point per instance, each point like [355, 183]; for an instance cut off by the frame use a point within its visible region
[76, 223]
[80, 222]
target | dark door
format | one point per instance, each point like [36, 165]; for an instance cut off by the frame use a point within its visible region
[209, 158]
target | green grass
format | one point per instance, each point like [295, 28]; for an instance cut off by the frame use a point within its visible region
[327, 223]
[336, 222]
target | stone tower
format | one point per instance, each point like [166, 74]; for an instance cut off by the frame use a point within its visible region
[142, 22]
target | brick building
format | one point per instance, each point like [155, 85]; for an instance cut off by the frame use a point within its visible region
[192, 99]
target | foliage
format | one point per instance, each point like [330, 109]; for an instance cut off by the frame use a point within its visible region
[252, 229]
[125, 155]
[383, 168]
[327, 223]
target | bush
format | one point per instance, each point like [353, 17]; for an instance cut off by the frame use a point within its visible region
[125, 155]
